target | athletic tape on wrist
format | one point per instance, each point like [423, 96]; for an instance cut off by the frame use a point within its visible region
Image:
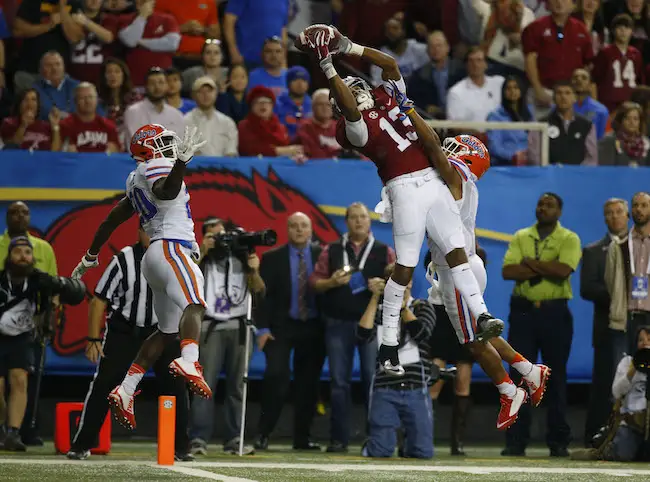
[329, 71]
[356, 49]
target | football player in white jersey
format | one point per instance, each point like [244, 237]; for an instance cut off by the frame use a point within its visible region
[463, 160]
[155, 191]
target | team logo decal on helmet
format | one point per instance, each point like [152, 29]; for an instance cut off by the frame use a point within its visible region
[152, 141]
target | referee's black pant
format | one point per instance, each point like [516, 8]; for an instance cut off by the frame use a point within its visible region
[545, 327]
[121, 344]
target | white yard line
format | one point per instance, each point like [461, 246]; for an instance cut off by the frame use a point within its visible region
[188, 470]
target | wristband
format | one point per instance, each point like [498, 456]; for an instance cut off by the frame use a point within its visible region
[356, 49]
[329, 70]
[410, 111]
[94, 340]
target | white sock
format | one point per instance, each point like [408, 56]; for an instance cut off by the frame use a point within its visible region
[190, 351]
[392, 305]
[524, 367]
[132, 379]
[507, 388]
[468, 287]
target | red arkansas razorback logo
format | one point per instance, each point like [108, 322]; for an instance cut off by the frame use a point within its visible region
[255, 203]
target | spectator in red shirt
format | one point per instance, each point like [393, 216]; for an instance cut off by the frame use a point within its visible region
[554, 46]
[116, 92]
[99, 32]
[152, 39]
[84, 130]
[261, 133]
[317, 134]
[640, 13]
[618, 67]
[26, 131]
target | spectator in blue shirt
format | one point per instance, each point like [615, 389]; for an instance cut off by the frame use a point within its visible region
[248, 23]
[55, 88]
[509, 147]
[232, 102]
[272, 74]
[174, 87]
[294, 105]
[586, 105]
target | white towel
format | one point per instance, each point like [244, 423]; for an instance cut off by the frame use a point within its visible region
[383, 207]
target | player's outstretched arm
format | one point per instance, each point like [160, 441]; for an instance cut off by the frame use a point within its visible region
[168, 187]
[344, 99]
[120, 213]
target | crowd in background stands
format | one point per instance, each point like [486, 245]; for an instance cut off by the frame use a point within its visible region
[82, 75]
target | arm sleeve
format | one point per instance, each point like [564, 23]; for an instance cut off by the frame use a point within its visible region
[622, 385]
[529, 40]
[157, 169]
[130, 34]
[592, 284]
[109, 281]
[357, 132]
[166, 43]
[571, 252]
[514, 254]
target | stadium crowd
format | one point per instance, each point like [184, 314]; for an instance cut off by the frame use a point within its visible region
[83, 76]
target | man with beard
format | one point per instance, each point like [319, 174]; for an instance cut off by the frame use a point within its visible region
[18, 307]
[626, 273]
[153, 109]
[17, 220]
[409, 54]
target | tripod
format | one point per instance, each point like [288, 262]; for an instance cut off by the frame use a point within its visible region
[248, 327]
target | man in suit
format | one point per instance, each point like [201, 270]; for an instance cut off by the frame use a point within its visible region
[288, 319]
[608, 343]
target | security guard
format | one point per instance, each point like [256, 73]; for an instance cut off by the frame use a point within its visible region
[541, 259]
[124, 291]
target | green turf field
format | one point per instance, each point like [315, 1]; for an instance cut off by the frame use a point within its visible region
[137, 461]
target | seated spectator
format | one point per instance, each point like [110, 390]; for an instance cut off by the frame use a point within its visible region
[474, 97]
[629, 388]
[43, 27]
[153, 109]
[116, 93]
[587, 106]
[99, 29]
[590, 13]
[232, 102]
[554, 46]
[409, 54]
[618, 68]
[197, 20]
[247, 26]
[509, 147]
[174, 86]
[627, 145]
[211, 59]
[502, 23]
[24, 130]
[641, 96]
[272, 74]
[317, 134]
[400, 401]
[428, 85]
[572, 137]
[54, 86]
[261, 133]
[294, 105]
[218, 129]
[85, 130]
[151, 39]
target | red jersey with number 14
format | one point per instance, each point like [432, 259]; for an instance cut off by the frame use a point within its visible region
[392, 143]
[616, 74]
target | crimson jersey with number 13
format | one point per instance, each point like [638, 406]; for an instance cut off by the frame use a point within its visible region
[392, 143]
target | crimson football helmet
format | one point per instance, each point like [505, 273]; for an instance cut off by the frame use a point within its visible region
[152, 141]
[470, 150]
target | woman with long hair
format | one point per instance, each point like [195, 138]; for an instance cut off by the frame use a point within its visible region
[509, 147]
[232, 102]
[116, 92]
[211, 59]
[24, 130]
[591, 14]
[627, 145]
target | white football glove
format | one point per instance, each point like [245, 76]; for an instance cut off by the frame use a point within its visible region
[84, 265]
[191, 143]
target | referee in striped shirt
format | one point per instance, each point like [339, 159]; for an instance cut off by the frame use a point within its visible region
[401, 401]
[123, 290]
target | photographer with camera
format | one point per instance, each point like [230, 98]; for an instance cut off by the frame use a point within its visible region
[18, 221]
[231, 270]
[25, 306]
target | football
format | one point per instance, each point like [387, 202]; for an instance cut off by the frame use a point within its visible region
[306, 41]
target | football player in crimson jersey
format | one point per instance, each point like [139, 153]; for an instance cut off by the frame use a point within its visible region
[618, 67]
[420, 202]
[462, 161]
[157, 193]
